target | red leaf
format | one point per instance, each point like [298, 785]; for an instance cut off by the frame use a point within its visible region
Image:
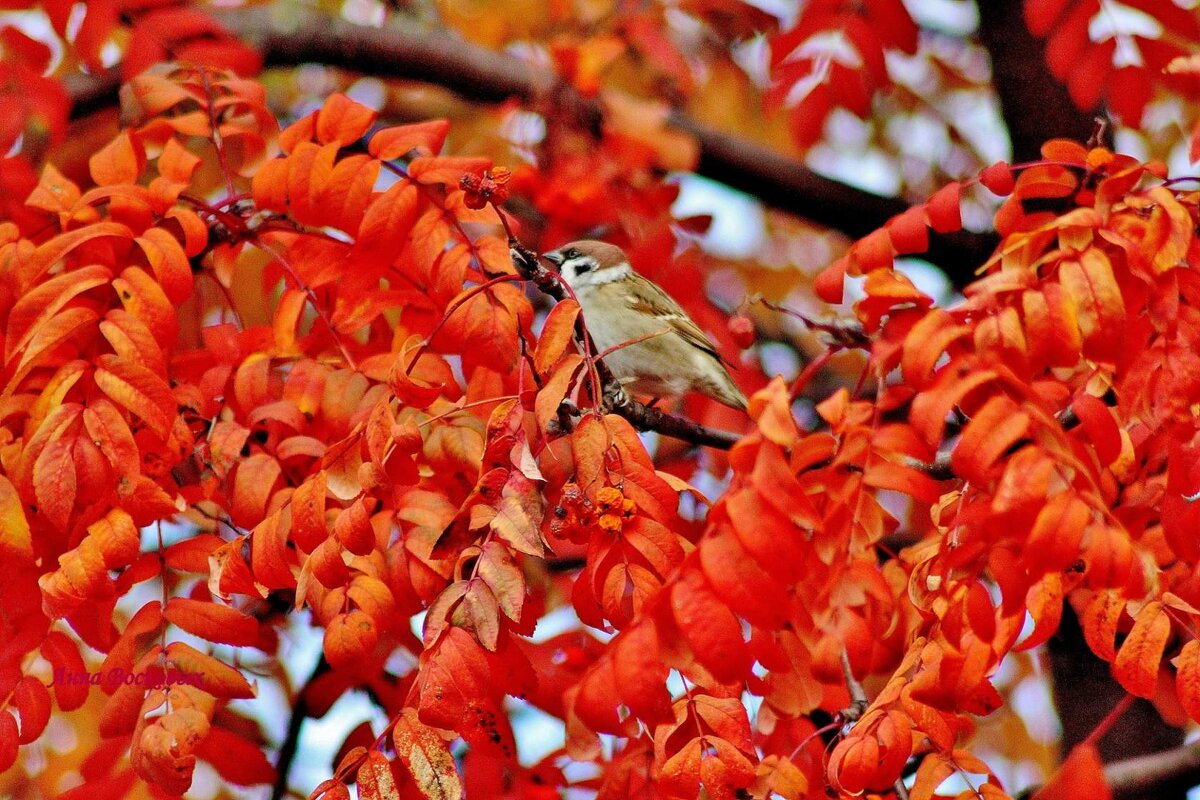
[1097, 422]
[710, 629]
[63, 655]
[32, 700]
[830, 283]
[9, 741]
[943, 209]
[235, 759]
[872, 252]
[998, 178]
[908, 231]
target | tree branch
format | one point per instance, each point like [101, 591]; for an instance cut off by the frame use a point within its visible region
[1143, 775]
[291, 740]
[306, 35]
[1035, 106]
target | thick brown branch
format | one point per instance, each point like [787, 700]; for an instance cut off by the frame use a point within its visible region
[1035, 106]
[291, 739]
[1143, 775]
[305, 34]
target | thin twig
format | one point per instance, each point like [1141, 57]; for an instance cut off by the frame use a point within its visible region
[858, 696]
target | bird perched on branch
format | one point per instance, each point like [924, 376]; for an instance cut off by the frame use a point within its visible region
[659, 350]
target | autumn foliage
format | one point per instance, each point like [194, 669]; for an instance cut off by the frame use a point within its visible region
[252, 374]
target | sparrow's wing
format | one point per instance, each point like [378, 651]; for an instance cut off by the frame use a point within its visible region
[653, 301]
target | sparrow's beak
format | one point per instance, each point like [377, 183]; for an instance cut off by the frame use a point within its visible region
[554, 257]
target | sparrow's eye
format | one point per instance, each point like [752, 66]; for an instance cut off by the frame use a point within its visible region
[572, 253]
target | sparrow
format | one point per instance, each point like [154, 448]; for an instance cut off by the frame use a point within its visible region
[671, 355]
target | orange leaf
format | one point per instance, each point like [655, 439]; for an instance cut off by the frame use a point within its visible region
[139, 390]
[213, 622]
[270, 558]
[485, 327]
[1045, 603]
[216, 678]
[392, 143]
[446, 169]
[308, 513]
[1140, 656]
[144, 298]
[1081, 775]
[350, 638]
[991, 432]
[640, 674]
[556, 389]
[133, 340]
[830, 283]
[1099, 622]
[426, 757]
[348, 192]
[519, 516]
[170, 263]
[253, 483]
[872, 252]
[342, 120]
[42, 302]
[353, 530]
[1057, 533]
[1100, 304]
[557, 334]
[375, 779]
[1187, 678]
[387, 221]
[57, 248]
[120, 161]
[15, 537]
[176, 162]
[709, 627]
[54, 192]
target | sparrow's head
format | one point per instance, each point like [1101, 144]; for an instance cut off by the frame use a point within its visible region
[589, 263]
